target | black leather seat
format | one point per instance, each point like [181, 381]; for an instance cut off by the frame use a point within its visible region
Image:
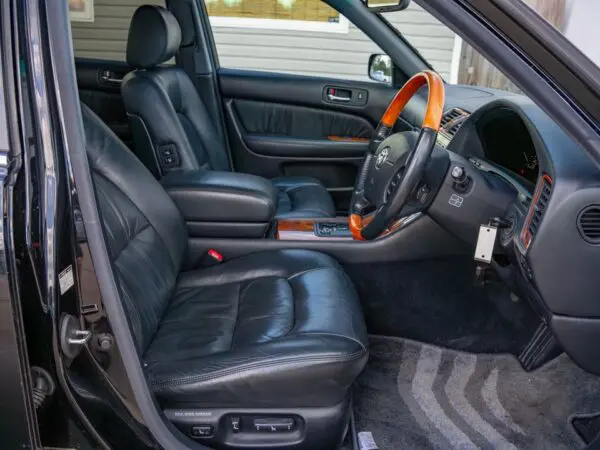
[167, 114]
[279, 329]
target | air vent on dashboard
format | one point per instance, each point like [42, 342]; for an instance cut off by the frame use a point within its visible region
[537, 209]
[452, 120]
[449, 116]
[454, 128]
[589, 224]
[450, 124]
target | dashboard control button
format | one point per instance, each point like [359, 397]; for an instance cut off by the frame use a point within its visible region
[423, 194]
[460, 178]
[458, 174]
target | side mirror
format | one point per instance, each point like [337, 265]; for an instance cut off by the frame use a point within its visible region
[387, 5]
[381, 69]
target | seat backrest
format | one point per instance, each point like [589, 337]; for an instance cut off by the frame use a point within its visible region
[145, 232]
[167, 115]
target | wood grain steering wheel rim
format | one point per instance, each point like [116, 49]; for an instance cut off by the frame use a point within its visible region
[431, 121]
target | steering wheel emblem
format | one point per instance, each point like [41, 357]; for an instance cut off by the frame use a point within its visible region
[382, 157]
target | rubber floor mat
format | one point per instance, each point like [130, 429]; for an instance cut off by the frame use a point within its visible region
[418, 396]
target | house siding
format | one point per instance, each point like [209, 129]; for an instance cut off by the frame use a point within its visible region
[337, 55]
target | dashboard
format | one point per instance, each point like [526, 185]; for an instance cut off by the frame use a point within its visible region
[551, 252]
[507, 143]
[499, 137]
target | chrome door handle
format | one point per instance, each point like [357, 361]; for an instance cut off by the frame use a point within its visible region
[108, 77]
[335, 98]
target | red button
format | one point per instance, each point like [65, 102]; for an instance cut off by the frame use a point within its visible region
[215, 255]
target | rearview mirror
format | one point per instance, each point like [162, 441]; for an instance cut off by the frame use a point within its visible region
[387, 5]
[381, 68]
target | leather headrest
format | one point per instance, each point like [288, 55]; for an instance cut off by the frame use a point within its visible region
[154, 37]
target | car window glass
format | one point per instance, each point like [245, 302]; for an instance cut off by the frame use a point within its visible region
[303, 37]
[459, 63]
[577, 20]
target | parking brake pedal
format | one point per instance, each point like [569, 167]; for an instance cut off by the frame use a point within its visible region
[540, 349]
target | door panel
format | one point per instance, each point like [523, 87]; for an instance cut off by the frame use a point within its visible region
[294, 147]
[281, 124]
[99, 83]
[299, 121]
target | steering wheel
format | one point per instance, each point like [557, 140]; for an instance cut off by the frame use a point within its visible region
[394, 163]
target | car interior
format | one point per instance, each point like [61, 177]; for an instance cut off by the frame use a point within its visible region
[314, 263]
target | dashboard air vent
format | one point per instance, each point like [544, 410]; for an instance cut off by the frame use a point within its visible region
[537, 209]
[454, 128]
[449, 116]
[452, 121]
[589, 224]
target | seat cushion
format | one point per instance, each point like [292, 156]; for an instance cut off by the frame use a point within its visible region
[270, 329]
[303, 198]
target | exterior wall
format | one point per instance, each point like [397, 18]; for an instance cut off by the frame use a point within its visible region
[339, 55]
[328, 54]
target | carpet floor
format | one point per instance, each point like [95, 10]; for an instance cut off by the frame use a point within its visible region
[418, 396]
[436, 301]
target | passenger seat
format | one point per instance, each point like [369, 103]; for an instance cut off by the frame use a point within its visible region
[257, 352]
[171, 125]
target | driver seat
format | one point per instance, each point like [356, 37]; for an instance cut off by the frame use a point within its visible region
[274, 335]
[169, 119]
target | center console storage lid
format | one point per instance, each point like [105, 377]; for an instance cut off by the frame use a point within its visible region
[211, 196]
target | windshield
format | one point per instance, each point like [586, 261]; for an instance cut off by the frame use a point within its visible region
[459, 63]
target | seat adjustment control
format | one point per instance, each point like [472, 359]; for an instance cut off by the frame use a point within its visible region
[168, 155]
[273, 425]
[201, 431]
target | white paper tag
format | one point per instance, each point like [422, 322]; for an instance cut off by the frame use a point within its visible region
[485, 243]
[65, 280]
[366, 441]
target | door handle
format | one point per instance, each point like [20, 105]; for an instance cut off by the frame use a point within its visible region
[109, 77]
[335, 98]
[346, 95]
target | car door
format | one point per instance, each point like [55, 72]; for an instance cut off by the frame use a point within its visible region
[295, 125]
[296, 97]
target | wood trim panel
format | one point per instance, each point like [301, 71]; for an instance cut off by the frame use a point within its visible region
[347, 139]
[435, 101]
[306, 228]
[526, 236]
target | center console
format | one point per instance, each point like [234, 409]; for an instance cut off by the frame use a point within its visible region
[230, 205]
[223, 204]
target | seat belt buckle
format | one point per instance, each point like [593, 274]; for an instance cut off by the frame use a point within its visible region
[211, 258]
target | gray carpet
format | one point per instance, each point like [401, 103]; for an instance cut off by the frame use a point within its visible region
[416, 396]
